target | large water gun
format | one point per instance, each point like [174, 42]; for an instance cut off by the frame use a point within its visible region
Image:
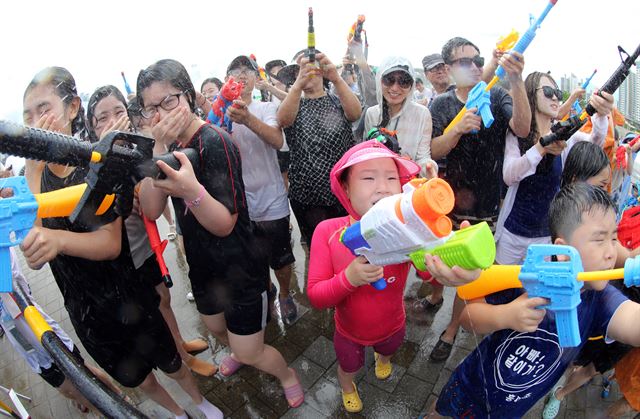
[112, 169]
[311, 38]
[560, 282]
[385, 136]
[261, 71]
[126, 85]
[576, 105]
[158, 247]
[355, 32]
[407, 226]
[621, 153]
[610, 86]
[520, 47]
[231, 90]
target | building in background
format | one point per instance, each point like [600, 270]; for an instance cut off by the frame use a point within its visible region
[629, 98]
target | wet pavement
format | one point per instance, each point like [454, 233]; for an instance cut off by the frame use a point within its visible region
[306, 345]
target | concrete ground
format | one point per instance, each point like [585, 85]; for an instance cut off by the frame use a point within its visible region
[306, 345]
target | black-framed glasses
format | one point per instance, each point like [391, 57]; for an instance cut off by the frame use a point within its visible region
[169, 103]
[403, 79]
[549, 92]
[466, 61]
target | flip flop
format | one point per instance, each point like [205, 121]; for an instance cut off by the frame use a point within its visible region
[201, 367]
[294, 392]
[229, 365]
[195, 346]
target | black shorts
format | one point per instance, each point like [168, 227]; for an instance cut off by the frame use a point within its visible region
[53, 375]
[128, 353]
[150, 271]
[604, 356]
[284, 158]
[277, 236]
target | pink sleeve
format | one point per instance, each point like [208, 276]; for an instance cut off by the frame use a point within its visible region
[325, 287]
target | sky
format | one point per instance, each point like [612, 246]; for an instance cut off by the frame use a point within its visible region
[95, 41]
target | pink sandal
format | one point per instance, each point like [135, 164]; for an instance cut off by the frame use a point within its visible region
[229, 365]
[294, 392]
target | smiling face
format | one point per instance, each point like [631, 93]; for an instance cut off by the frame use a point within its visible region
[396, 87]
[370, 181]
[106, 112]
[547, 106]
[42, 100]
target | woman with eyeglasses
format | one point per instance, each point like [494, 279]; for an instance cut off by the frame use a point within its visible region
[229, 271]
[113, 312]
[533, 172]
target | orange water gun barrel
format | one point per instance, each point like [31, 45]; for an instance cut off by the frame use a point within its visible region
[62, 202]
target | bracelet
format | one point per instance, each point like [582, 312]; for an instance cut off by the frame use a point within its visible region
[194, 203]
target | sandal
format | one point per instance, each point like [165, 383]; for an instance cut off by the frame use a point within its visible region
[195, 346]
[229, 365]
[351, 401]
[201, 367]
[294, 392]
[425, 304]
[383, 371]
[172, 232]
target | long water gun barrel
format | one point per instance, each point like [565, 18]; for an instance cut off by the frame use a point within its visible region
[521, 46]
[102, 397]
[311, 38]
[576, 104]
[126, 84]
[158, 247]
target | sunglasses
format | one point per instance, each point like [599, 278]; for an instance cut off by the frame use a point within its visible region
[549, 92]
[404, 80]
[466, 61]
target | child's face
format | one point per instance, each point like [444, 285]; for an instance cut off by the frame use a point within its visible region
[602, 179]
[370, 181]
[596, 239]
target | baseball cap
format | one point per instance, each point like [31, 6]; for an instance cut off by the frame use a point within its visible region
[242, 60]
[430, 61]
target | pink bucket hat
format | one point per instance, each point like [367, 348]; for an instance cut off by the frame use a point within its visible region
[368, 150]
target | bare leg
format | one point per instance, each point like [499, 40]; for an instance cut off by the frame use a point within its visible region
[284, 279]
[197, 365]
[184, 378]
[102, 376]
[158, 394]
[68, 390]
[576, 379]
[436, 293]
[346, 380]
[217, 326]
[619, 408]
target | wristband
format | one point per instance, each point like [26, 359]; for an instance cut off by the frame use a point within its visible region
[194, 203]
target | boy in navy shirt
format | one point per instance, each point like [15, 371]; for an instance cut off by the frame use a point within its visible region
[521, 359]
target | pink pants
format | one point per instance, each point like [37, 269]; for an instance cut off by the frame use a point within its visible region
[351, 354]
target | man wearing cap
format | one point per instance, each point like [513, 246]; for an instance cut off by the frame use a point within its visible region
[475, 153]
[274, 86]
[437, 73]
[257, 135]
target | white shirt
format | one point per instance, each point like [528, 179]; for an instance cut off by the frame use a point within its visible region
[264, 187]
[413, 127]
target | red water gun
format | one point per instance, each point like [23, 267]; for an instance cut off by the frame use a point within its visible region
[230, 91]
[621, 153]
[158, 247]
[261, 71]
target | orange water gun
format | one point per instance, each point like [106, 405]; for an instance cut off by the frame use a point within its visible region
[355, 33]
[261, 70]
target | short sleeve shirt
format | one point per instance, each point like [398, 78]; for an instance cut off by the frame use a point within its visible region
[474, 166]
[236, 259]
[318, 138]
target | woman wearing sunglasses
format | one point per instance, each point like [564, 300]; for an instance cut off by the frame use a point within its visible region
[532, 172]
[396, 111]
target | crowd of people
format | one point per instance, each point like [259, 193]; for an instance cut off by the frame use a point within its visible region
[300, 140]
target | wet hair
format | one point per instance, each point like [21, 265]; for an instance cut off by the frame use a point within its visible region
[585, 160]
[64, 86]
[97, 96]
[531, 84]
[452, 44]
[567, 207]
[213, 80]
[385, 114]
[172, 72]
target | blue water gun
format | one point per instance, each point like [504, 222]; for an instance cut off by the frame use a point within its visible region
[576, 105]
[520, 47]
[126, 84]
[559, 282]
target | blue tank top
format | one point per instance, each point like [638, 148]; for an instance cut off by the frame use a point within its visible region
[529, 216]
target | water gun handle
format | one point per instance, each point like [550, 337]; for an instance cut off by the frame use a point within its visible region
[567, 327]
[158, 247]
[6, 282]
[380, 284]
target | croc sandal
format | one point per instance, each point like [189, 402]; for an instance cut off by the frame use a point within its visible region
[229, 366]
[294, 394]
[383, 371]
[351, 401]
